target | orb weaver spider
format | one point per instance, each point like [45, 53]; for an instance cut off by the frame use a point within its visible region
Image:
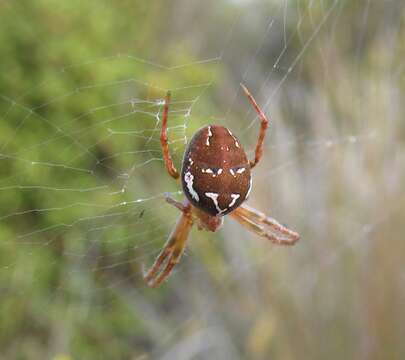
[216, 179]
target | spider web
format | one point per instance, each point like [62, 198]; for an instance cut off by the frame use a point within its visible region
[83, 179]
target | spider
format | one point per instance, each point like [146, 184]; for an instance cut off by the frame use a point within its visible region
[216, 179]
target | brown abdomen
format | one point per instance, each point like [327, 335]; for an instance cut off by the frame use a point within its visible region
[215, 173]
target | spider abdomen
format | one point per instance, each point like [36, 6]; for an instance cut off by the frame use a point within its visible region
[216, 173]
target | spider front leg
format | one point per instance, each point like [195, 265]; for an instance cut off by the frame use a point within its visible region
[253, 220]
[263, 127]
[163, 140]
[174, 247]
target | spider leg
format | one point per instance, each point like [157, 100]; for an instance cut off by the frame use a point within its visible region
[164, 143]
[158, 262]
[263, 127]
[172, 251]
[257, 216]
[171, 263]
[253, 219]
[175, 203]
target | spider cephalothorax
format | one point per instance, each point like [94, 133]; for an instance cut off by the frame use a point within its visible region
[216, 179]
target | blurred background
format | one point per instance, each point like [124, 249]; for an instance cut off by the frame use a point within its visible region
[82, 179]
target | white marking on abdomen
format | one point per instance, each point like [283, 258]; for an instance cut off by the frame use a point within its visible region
[191, 162]
[207, 142]
[214, 198]
[236, 141]
[241, 170]
[210, 171]
[250, 188]
[189, 179]
[234, 198]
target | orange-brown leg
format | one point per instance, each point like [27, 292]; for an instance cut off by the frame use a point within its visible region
[163, 140]
[173, 249]
[253, 220]
[259, 217]
[263, 128]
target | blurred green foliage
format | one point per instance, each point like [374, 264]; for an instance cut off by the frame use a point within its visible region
[46, 47]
